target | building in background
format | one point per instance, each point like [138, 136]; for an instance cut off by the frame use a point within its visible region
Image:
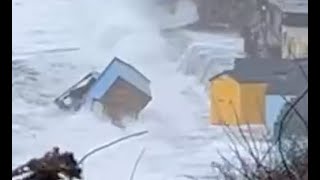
[280, 30]
[249, 91]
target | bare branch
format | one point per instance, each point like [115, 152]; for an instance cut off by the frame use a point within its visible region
[110, 144]
[243, 136]
[188, 177]
[244, 174]
[136, 164]
[304, 121]
[283, 159]
[303, 72]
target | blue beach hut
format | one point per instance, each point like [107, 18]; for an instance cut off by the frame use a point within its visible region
[121, 90]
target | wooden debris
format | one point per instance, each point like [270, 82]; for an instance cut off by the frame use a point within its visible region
[52, 166]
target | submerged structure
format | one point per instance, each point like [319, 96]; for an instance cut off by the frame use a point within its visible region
[119, 91]
[73, 98]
